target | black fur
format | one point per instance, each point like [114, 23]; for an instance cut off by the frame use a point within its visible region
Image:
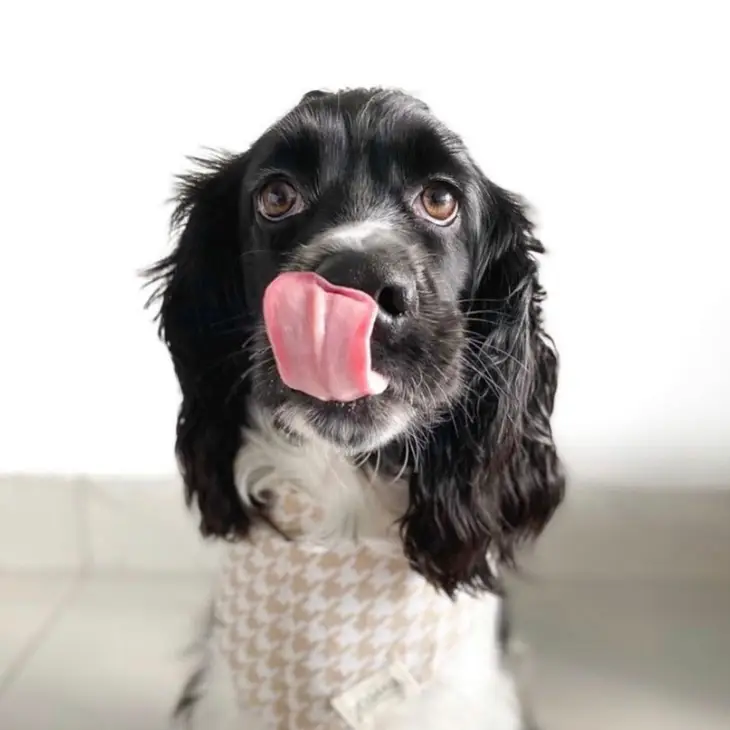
[478, 374]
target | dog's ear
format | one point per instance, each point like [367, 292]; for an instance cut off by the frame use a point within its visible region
[205, 323]
[489, 477]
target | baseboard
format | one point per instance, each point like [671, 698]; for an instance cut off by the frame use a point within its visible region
[111, 524]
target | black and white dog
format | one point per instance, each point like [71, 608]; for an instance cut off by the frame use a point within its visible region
[354, 316]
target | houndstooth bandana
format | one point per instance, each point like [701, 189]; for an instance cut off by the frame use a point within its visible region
[302, 624]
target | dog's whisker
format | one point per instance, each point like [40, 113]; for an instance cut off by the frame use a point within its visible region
[486, 343]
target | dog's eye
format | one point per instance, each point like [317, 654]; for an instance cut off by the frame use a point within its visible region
[278, 199]
[438, 202]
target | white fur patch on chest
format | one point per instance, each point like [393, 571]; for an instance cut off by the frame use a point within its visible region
[351, 503]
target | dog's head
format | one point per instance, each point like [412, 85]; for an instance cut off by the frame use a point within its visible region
[361, 208]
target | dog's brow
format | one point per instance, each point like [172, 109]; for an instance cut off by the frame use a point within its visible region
[297, 156]
[264, 174]
[420, 153]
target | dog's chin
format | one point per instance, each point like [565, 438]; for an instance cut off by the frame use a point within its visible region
[353, 428]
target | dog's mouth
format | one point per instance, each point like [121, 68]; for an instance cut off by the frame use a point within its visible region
[320, 336]
[331, 364]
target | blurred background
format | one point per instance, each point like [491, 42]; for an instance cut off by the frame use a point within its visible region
[612, 119]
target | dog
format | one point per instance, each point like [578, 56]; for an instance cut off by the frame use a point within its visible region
[354, 315]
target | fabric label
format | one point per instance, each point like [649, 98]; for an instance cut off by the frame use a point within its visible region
[361, 705]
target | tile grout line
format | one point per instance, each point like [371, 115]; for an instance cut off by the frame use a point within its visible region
[16, 666]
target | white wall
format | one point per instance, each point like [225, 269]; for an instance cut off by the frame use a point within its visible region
[612, 119]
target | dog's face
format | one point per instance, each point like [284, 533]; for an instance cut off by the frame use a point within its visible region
[373, 193]
[366, 194]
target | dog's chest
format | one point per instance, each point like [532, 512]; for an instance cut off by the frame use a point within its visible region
[302, 624]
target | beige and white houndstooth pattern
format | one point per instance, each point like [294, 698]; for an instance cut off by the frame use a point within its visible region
[301, 624]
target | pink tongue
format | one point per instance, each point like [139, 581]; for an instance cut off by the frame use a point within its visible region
[320, 335]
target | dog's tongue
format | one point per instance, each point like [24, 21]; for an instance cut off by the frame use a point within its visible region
[320, 334]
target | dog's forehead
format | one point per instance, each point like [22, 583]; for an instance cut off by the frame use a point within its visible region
[384, 116]
[362, 107]
[381, 131]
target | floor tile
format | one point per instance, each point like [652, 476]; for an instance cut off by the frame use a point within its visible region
[112, 660]
[29, 602]
[664, 649]
[575, 696]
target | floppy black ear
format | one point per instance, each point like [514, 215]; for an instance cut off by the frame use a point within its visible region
[205, 323]
[489, 477]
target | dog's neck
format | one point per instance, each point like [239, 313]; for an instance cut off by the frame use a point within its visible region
[354, 499]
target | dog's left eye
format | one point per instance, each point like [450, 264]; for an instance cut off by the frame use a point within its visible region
[437, 202]
[278, 199]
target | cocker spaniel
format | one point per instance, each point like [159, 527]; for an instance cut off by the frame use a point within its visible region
[353, 312]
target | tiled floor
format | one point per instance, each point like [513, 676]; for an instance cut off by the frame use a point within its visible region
[102, 653]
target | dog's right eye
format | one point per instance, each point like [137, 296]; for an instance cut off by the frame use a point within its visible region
[278, 199]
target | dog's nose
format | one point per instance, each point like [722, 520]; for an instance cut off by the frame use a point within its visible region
[389, 282]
